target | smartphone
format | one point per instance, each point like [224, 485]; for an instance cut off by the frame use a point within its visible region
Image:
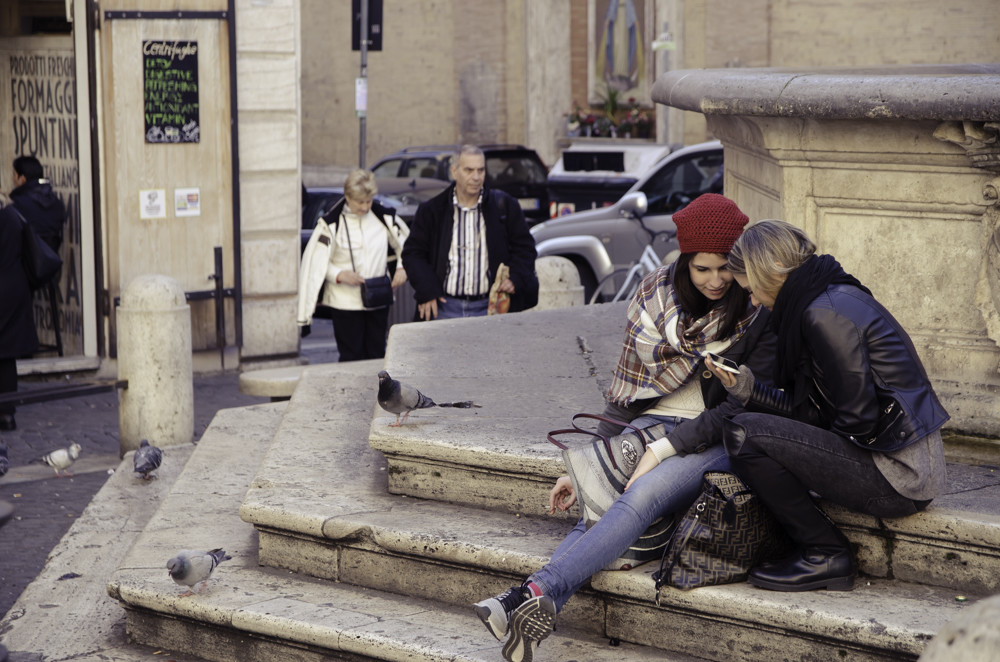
[725, 364]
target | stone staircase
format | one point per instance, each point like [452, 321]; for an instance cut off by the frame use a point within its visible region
[355, 540]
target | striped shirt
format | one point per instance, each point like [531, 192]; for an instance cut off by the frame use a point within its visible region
[468, 261]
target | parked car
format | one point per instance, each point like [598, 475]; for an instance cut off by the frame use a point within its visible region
[599, 241]
[401, 193]
[514, 169]
[590, 175]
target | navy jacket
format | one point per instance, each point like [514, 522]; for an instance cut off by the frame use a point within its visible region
[425, 253]
[38, 203]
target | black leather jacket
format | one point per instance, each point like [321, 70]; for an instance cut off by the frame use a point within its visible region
[863, 377]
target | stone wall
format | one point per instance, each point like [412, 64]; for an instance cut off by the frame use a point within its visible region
[902, 211]
[895, 173]
[267, 65]
[470, 71]
[447, 73]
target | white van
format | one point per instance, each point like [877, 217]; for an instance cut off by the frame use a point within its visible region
[597, 172]
[610, 239]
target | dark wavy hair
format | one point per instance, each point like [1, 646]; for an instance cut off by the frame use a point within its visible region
[733, 303]
[28, 167]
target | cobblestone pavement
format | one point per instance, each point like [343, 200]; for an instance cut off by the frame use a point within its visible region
[46, 506]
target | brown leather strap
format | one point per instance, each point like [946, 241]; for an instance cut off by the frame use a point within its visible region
[563, 446]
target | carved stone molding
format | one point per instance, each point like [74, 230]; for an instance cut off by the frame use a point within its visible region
[987, 297]
[980, 140]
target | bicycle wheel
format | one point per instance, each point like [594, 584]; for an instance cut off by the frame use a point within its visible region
[619, 293]
[631, 285]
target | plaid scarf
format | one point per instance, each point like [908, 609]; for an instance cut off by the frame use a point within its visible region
[663, 345]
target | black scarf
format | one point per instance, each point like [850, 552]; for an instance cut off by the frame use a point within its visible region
[803, 285]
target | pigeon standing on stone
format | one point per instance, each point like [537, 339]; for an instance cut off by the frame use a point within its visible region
[398, 398]
[192, 566]
[4, 460]
[147, 459]
[61, 459]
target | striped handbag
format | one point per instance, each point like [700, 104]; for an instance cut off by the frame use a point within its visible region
[600, 469]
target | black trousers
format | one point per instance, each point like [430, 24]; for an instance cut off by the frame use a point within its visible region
[8, 382]
[360, 334]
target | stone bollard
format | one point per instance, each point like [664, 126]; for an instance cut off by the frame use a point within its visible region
[974, 636]
[558, 283]
[154, 355]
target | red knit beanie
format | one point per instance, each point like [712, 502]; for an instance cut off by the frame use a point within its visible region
[710, 224]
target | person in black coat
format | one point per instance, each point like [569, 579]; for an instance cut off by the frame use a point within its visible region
[458, 240]
[37, 202]
[17, 325]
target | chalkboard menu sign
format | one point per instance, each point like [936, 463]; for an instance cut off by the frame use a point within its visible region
[171, 91]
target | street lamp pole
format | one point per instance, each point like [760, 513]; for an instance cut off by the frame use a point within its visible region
[361, 91]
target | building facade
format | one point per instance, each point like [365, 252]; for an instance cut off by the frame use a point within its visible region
[179, 132]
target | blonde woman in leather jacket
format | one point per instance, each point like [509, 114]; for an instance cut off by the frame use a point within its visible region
[855, 417]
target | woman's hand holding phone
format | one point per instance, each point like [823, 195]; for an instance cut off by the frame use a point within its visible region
[722, 368]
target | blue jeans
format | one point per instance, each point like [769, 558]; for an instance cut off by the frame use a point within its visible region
[452, 308]
[668, 488]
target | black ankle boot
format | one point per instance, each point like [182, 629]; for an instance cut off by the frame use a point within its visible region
[7, 422]
[807, 570]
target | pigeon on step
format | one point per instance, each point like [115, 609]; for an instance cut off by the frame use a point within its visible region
[192, 566]
[4, 460]
[147, 459]
[61, 459]
[398, 398]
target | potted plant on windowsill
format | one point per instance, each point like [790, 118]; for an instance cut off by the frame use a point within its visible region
[636, 122]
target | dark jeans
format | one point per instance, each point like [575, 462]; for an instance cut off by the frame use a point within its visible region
[360, 334]
[782, 459]
[452, 308]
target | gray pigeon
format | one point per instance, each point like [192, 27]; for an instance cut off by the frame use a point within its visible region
[61, 459]
[191, 566]
[398, 398]
[147, 459]
[4, 460]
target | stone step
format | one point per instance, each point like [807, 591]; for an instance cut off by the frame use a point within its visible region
[536, 371]
[320, 507]
[66, 612]
[249, 613]
[498, 458]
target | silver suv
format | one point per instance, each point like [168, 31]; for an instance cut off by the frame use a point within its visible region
[602, 241]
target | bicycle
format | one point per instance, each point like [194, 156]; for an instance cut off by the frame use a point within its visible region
[647, 263]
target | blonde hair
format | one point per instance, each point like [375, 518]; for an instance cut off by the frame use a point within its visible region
[768, 250]
[360, 185]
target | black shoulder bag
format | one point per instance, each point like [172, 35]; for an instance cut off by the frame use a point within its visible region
[41, 263]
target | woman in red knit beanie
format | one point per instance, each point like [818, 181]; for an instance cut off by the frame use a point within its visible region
[661, 385]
